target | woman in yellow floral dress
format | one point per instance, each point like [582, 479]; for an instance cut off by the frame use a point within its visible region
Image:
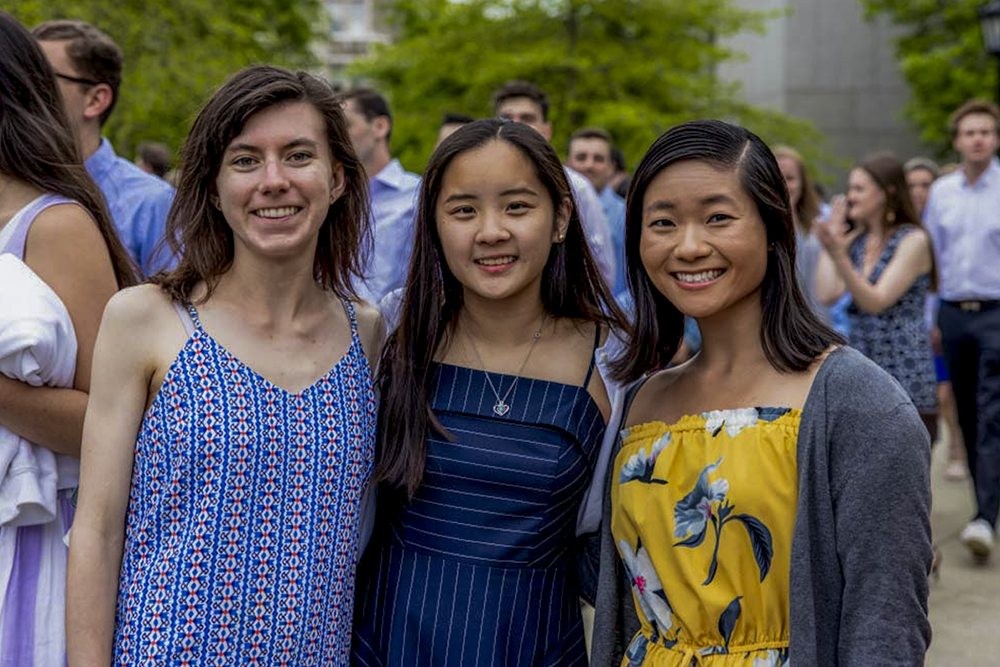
[768, 500]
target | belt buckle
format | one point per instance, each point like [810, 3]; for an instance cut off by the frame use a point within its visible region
[971, 306]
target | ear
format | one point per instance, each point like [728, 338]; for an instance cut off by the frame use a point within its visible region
[380, 125]
[562, 220]
[546, 130]
[337, 182]
[99, 98]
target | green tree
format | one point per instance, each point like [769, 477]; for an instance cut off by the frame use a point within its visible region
[178, 51]
[635, 67]
[942, 57]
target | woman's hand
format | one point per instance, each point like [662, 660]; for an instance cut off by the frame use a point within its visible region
[836, 233]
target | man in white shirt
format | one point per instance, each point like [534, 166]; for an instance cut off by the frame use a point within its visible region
[526, 103]
[963, 219]
[393, 193]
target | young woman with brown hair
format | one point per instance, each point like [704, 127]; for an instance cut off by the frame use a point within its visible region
[231, 429]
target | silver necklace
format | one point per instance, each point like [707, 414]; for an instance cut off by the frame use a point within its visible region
[502, 407]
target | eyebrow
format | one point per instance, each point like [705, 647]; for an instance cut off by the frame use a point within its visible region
[710, 200]
[461, 196]
[294, 143]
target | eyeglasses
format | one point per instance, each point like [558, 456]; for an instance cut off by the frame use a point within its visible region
[76, 79]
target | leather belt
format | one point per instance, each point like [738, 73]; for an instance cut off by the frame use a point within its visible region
[974, 306]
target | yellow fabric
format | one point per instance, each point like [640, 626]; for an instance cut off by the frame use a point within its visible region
[672, 484]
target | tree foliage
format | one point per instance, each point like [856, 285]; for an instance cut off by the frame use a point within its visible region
[942, 57]
[178, 51]
[634, 67]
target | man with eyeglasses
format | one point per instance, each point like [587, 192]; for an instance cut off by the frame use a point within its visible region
[88, 68]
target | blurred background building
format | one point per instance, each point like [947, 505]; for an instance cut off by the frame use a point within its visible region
[355, 28]
[821, 60]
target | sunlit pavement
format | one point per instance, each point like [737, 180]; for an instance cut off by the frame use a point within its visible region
[965, 601]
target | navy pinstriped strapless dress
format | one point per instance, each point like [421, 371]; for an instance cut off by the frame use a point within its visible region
[478, 569]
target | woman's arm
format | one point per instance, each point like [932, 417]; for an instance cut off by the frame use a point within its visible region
[881, 496]
[835, 236]
[122, 368]
[828, 283]
[66, 250]
[911, 260]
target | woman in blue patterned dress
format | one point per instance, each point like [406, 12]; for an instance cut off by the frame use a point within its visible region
[492, 416]
[883, 258]
[230, 433]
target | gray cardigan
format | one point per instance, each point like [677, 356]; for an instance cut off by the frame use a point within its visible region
[861, 549]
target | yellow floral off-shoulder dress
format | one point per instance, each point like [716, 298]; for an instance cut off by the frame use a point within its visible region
[703, 512]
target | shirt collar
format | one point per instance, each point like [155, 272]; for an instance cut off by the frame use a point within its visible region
[392, 175]
[101, 161]
[988, 177]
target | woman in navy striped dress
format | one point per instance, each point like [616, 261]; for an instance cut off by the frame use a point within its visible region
[492, 416]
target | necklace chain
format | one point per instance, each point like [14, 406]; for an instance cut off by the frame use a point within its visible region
[502, 407]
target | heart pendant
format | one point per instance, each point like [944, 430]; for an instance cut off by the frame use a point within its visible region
[501, 408]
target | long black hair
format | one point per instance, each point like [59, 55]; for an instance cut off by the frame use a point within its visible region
[36, 143]
[571, 287]
[792, 335]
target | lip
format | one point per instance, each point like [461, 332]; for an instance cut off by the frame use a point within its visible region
[694, 287]
[505, 263]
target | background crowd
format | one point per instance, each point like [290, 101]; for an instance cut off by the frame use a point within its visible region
[217, 418]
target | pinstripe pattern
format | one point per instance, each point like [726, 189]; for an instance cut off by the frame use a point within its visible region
[476, 571]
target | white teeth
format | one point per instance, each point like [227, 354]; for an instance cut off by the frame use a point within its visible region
[496, 261]
[276, 212]
[700, 277]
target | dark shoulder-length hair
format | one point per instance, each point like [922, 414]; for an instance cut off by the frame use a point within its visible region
[571, 288]
[791, 334]
[36, 142]
[198, 232]
[889, 175]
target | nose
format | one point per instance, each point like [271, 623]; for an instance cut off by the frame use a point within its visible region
[691, 245]
[273, 177]
[492, 228]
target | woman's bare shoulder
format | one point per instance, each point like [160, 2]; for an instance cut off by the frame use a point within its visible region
[143, 308]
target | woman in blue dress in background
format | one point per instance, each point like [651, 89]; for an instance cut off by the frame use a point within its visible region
[492, 416]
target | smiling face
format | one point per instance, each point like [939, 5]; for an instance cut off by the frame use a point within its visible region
[865, 199]
[703, 243]
[277, 181]
[497, 222]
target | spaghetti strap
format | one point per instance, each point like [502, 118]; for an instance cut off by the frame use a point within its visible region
[193, 313]
[349, 308]
[184, 315]
[593, 355]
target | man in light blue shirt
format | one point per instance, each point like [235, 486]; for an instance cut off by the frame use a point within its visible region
[590, 154]
[393, 193]
[526, 103]
[963, 218]
[88, 67]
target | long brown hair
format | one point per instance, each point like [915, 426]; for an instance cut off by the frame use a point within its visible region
[890, 177]
[791, 334]
[197, 231]
[36, 143]
[571, 287]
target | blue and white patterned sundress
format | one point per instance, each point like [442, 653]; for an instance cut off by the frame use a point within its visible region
[897, 338]
[243, 520]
